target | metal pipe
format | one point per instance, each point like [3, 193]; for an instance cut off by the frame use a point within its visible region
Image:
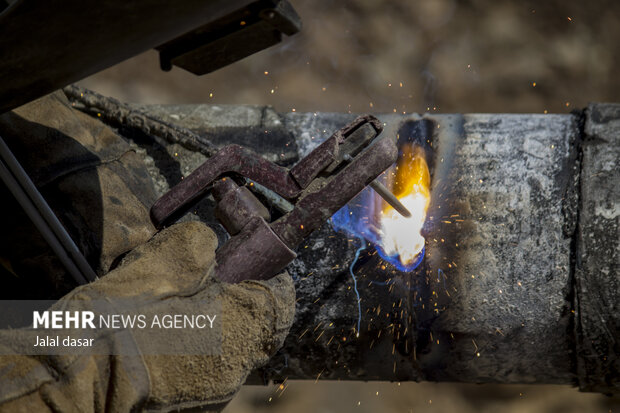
[505, 293]
[520, 279]
[74, 48]
[390, 198]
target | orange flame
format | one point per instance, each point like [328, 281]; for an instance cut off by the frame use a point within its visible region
[410, 182]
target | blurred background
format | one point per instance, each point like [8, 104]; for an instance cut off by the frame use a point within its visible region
[410, 56]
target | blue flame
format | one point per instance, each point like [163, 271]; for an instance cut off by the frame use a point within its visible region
[358, 219]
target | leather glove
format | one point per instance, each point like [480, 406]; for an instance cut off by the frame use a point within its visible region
[174, 271]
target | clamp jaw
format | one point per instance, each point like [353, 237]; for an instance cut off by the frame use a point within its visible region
[318, 186]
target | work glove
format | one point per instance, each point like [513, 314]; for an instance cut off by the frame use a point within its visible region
[173, 273]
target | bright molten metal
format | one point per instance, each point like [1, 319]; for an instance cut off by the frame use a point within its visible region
[410, 182]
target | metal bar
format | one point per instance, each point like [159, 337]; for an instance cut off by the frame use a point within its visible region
[387, 196]
[390, 198]
[29, 197]
[40, 223]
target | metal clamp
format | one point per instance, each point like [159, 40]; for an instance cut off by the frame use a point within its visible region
[317, 186]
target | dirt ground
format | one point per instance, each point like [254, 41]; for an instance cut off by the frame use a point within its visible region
[410, 56]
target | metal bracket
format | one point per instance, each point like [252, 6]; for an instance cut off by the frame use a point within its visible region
[245, 31]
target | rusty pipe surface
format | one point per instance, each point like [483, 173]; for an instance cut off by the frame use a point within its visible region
[520, 279]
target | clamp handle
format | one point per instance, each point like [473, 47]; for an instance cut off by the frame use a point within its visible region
[320, 184]
[237, 160]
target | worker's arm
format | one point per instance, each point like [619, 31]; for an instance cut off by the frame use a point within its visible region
[173, 270]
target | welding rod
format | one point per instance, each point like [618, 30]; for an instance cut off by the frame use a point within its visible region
[385, 193]
[390, 198]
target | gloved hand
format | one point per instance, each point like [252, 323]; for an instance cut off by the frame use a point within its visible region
[173, 270]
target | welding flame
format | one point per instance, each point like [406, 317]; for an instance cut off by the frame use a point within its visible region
[397, 239]
[401, 237]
